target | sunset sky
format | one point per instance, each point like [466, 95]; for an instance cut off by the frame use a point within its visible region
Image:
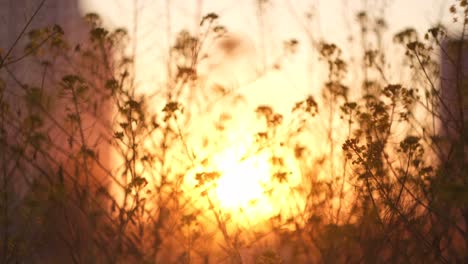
[334, 21]
[300, 74]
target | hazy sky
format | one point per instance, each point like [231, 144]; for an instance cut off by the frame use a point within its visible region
[284, 19]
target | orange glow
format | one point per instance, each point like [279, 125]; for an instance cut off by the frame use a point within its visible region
[246, 188]
[241, 183]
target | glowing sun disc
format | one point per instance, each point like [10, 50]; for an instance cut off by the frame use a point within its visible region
[241, 182]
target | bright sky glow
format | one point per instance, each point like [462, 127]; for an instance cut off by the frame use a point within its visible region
[243, 182]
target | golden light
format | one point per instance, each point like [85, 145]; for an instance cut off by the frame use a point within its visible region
[245, 186]
[242, 182]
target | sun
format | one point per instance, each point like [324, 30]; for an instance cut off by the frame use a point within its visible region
[237, 183]
[242, 183]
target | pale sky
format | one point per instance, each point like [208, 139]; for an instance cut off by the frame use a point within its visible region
[284, 19]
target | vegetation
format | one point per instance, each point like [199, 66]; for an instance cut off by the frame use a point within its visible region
[92, 173]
